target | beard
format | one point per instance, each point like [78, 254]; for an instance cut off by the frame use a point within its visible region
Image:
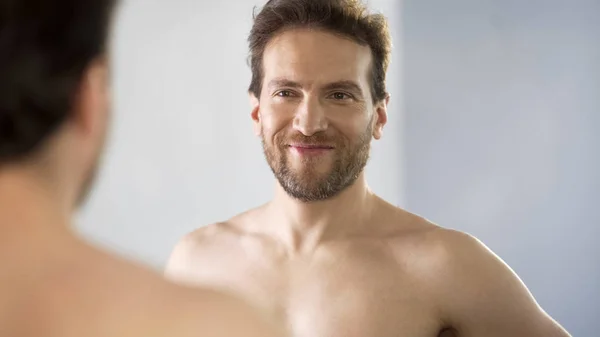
[308, 183]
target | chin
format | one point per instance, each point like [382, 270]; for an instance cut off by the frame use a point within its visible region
[311, 167]
[311, 176]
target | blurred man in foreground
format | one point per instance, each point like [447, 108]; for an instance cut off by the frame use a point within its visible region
[54, 107]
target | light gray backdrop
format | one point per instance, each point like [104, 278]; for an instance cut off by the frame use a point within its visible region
[501, 137]
[492, 131]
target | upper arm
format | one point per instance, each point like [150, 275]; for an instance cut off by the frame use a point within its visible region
[482, 296]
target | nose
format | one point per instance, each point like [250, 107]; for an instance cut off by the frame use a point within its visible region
[310, 117]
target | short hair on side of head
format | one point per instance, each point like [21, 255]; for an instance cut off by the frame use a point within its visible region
[46, 46]
[347, 18]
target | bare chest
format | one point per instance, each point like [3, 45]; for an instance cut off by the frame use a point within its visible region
[347, 295]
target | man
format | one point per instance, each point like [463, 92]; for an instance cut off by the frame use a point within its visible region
[326, 255]
[54, 100]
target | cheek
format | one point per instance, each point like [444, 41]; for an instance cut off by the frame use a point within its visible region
[275, 120]
[270, 127]
[352, 128]
[350, 116]
[270, 132]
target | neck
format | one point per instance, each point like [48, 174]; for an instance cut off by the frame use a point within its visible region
[302, 226]
[30, 206]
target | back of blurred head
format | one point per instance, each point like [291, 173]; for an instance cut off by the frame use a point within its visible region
[54, 93]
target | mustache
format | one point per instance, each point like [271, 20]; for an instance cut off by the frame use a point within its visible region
[318, 139]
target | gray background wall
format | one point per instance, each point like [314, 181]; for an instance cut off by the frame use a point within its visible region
[502, 137]
[491, 131]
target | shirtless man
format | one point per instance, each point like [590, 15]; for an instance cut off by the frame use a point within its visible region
[53, 120]
[327, 256]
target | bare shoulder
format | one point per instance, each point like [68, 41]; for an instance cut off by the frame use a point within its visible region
[459, 256]
[213, 236]
[208, 245]
[220, 232]
[205, 237]
[452, 247]
[447, 247]
[474, 289]
[465, 259]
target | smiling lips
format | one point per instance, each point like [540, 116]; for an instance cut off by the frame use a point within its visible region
[310, 149]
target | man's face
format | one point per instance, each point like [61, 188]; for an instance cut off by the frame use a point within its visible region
[316, 114]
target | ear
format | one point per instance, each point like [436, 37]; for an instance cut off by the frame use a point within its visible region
[92, 100]
[380, 117]
[255, 113]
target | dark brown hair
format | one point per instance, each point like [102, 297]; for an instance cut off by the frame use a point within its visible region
[347, 18]
[45, 48]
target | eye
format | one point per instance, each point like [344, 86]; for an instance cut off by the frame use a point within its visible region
[340, 96]
[284, 93]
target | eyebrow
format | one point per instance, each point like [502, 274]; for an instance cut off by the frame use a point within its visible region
[342, 85]
[345, 85]
[282, 82]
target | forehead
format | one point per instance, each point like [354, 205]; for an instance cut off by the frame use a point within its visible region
[310, 55]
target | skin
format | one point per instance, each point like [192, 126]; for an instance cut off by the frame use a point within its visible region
[53, 283]
[349, 263]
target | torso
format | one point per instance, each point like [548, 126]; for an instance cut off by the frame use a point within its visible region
[354, 287]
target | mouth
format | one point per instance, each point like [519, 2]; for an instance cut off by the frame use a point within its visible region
[311, 146]
[310, 149]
